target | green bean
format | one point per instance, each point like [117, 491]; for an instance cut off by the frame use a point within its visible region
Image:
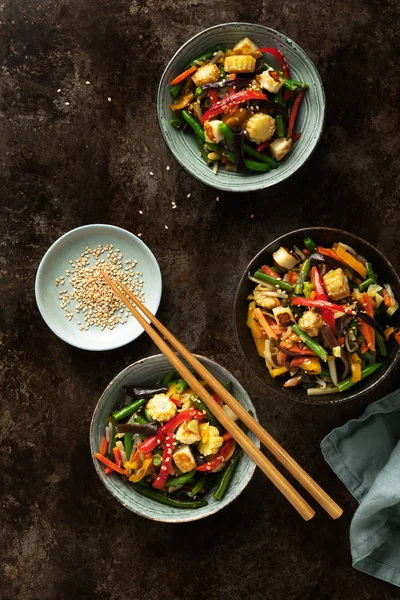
[370, 272]
[210, 417]
[279, 282]
[205, 56]
[227, 131]
[164, 499]
[310, 244]
[223, 72]
[147, 416]
[365, 284]
[380, 344]
[228, 386]
[202, 149]
[260, 156]
[176, 89]
[303, 274]
[226, 475]
[112, 443]
[128, 444]
[180, 386]
[191, 121]
[198, 485]
[185, 478]
[307, 289]
[325, 373]
[365, 372]
[177, 123]
[141, 420]
[126, 411]
[280, 130]
[229, 137]
[290, 84]
[157, 460]
[198, 92]
[368, 357]
[168, 378]
[312, 344]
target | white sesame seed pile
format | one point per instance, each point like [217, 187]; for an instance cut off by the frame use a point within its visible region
[95, 301]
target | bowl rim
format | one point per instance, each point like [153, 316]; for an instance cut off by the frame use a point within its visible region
[53, 247]
[188, 519]
[280, 390]
[265, 183]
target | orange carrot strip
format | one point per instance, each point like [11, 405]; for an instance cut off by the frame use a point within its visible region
[264, 324]
[109, 464]
[103, 446]
[183, 75]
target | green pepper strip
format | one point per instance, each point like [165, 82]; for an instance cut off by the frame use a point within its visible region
[126, 411]
[303, 274]
[366, 372]
[312, 344]
[210, 417]
[181, 386]
[260, 156]
[198, 486]
[164, 499]
[128, 444]
[380, 344]
[370, 272]
[279, 282]
[168, 378]
[197, 128]
[175, 90]
[186, 478]
[310, 244]
[365, 284]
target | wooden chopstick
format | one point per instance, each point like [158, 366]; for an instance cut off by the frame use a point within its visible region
[290, 493]
[312, 487]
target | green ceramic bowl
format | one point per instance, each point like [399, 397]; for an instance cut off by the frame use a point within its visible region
[309, 122]
[146, 372]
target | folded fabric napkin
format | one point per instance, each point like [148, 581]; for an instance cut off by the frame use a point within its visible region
[365, 455]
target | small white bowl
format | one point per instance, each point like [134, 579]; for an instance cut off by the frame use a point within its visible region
[56, 261]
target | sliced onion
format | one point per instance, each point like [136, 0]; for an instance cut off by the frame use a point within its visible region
[349, 348]
[293, 381]
[299, 253]
[268, 355]
[287, 333]
[333, 371]
[217, 56]
[320, 382]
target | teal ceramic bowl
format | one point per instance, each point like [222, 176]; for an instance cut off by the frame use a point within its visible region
[145, 372]
[310, 119]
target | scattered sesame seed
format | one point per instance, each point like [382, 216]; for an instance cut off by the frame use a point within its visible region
[166, 226]
[251, 216]
[188, 196]
[109, 99]
[140, 212]
[151, 173]
[168, 167]
[67, 104]
[139, 234]
[87, 82]
[59, 90]
[217, 198]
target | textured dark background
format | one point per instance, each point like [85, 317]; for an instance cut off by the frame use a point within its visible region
[62, 536]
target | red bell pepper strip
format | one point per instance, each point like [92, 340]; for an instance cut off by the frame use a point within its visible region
[296, 137]
[103, 446]
[293, 113]
[213, 95]
[223, 453]
[109, 464]
[367, 331]
[268, 271]
[279, 57]
[321, 295]
[162, 477]
[227, 436]
[299, 301]
[329, 252]
[226, 104]
[263, 145]
[217, 399]
[298, 350]
[117, 456]
[183, 75]
[169, 427]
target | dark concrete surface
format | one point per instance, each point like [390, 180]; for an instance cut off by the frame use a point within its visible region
[62, 536]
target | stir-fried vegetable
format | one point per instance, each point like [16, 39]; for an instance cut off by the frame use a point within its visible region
[237, 89]
[169, 459]
[321, 321]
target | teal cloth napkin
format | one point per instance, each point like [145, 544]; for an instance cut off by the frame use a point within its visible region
[365, 455]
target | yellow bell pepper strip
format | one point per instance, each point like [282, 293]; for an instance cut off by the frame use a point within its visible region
[162, 477]
[355, 363]
[368, 331]
[142, 471]
[103, 446]
[109, 464]
[255, 328]
[258, 315]
[183, 75]
[397, 337]
[278, 371]
[351, 261]
[226, 104]
[169, 427]
[389, 331]
[310, 364]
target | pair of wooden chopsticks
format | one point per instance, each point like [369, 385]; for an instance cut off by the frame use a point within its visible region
[290, 493]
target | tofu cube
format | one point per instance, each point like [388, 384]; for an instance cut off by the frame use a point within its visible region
[206, 74]
[243, 63]
[160, 408]
[283, 316]
[311, 322]
[212, 131]
[336, 284]
[184, 460]
[270, 80]
[280, 147]
[245, 46]
[211, 441]
[188, 432]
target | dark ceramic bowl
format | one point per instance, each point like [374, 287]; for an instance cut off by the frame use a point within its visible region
[324, 236]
